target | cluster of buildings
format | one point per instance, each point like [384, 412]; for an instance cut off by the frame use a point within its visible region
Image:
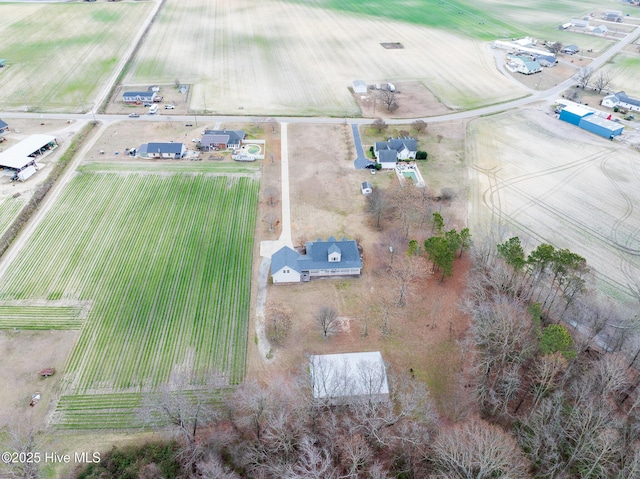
[584, 24]
[212, 140]
[524, 55]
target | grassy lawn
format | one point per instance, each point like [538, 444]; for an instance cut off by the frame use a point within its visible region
[462, 17]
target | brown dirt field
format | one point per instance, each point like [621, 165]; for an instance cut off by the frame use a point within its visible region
[414, 100]
[326, 200]
[28, 352]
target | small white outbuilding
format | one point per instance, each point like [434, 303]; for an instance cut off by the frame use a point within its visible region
[359, 86]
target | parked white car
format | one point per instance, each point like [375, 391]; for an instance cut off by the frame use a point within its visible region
[169, 107]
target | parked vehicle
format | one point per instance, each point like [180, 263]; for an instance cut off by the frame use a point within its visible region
[134, 115]
[153, 110]
[146, 104]
[169, 107]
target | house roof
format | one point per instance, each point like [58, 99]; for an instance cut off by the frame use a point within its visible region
[3, 125]
[18, 155]
[348, 375]
[317, 256]
[387, 156]
[359, 86]
[577, 110]
[622, 96]
[570, 48]
[612, 126]
[139, 93]
[208, 140]
[175, 148]
[233, 137]
[285, 256]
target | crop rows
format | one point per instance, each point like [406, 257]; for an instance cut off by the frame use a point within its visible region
[191, 167]
[9, 209]
[118, 410]
[165, 261]
[40, 317]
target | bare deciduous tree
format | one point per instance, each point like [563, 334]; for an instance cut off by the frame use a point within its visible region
[480, 450]
[379, 125]
[22, 439]
[378, 205]
[388, 98]
[419, 125]
[602, 81]
[271, 220]
[271, 194]
[583, 77]
[186, 410]
[554, 47]
[278, 323]
[327, 320]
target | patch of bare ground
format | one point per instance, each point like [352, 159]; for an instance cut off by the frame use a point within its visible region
[414, 100]
[124, 135]
[29, 352]
[325, 201]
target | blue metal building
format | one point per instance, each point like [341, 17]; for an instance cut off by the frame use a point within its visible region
[574, 114]
[601, 126]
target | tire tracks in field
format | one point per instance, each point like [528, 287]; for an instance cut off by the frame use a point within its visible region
[538, 201]
[628, 268]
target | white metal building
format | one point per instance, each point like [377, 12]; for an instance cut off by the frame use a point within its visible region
[21, 158]
[349, 377]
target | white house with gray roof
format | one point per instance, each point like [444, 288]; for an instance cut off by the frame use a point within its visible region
[165, 151]
[138, 96]
[621, 100]
[221, 139]
[389, 152]
[322, 259]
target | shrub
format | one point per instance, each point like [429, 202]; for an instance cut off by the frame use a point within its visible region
[421, 155]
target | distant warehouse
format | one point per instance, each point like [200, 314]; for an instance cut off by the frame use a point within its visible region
[585, 119]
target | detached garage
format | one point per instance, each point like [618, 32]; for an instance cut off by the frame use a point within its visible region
[574, 114]
[601, 126]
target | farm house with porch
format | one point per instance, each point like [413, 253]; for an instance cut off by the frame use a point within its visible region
[322, 259]
[138, 96]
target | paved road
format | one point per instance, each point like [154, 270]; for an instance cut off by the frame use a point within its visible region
[361, 160]
[544, 95]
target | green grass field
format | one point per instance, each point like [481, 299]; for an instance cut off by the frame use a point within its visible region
[165, 262]
[60, 54]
